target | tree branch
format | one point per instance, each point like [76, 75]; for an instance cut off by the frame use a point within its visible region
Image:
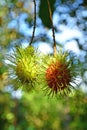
[34, 27]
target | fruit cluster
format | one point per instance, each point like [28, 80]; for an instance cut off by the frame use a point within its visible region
[54, 73]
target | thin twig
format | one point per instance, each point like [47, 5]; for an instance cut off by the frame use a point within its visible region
[34, 27]
[50, 12]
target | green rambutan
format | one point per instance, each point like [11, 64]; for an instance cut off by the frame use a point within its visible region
[24, 66]
[59, 73]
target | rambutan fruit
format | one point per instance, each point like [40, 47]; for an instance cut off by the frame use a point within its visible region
[59, 73]
[24, 66]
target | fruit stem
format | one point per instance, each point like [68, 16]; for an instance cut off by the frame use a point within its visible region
[34, 27]
[54, 49]
[53, 32]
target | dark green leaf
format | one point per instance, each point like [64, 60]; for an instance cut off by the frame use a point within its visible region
[44, 12]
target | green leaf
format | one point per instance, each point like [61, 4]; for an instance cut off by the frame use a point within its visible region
[44, 12]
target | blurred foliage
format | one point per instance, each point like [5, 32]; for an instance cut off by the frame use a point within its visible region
[33, 111]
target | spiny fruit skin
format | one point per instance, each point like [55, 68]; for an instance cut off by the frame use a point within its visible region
[24, 71]
[59, 73]
[25, 65]
[58, 76]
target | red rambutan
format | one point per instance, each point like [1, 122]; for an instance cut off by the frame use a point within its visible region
[59, 73]
[58, 76]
